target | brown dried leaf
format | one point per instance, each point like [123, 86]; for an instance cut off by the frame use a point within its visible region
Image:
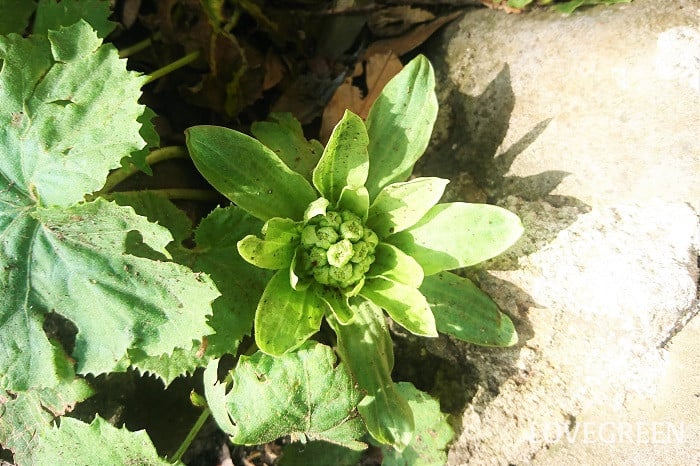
[379, 69]
[409, 41]
[274, 70]
[392, 21]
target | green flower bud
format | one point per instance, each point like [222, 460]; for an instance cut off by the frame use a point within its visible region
[317, 257]
[341, 275]
[340, 253]
[337, 250]
[351, 230]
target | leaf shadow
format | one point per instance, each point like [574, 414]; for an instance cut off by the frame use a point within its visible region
[468, 149]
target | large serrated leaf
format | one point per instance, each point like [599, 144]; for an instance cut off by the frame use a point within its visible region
[305, 394]
[215, 254]
[25, 417]
[68, 114]
[75, 443]
[63, 130]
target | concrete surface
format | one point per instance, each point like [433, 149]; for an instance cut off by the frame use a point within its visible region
[587, 127]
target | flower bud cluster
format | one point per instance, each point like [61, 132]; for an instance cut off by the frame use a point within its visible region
[337, 248]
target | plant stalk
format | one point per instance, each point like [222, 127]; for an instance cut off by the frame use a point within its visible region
[191, 435]
[138, 46]
[158, 155]
[170, 67]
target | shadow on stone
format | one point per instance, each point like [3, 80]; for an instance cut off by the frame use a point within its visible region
[466, 151]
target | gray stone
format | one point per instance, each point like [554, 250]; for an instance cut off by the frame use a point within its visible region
[586, 126]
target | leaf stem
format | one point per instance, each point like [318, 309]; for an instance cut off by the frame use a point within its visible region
[158, 155]
[138, 46]
[170, 67]
[191, 435]
[187, 194]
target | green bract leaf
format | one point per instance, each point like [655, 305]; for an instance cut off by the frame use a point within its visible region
[401, 205]
[52, 15]
[399, 124]
[14, 15]
[405, 304]
[465, 312]
[432, 434]
[337, 303]
[77, 443]
[344, 161]
[392, 263]
[457, 235]
[286, 317]
[248, 173]
[284, 135]
[61, 128]
[304, 394]
[356, 200]
[276, 250]
[365, 346]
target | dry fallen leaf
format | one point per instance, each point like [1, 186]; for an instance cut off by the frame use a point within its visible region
[392, 21]
[379, 69]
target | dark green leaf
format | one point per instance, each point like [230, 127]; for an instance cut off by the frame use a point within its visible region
[248, 173]
[465, 312]
[52, 15]
[318, 453]
[14, 15]
[284, 136]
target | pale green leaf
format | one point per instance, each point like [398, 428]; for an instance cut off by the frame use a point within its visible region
[337, 302]
[317, 207]
[432, 434]
[318, 453]
[248, 173]
[286, 317]
[168, 367]
[52, 15]
[462, 310]
[276, 250]
[61, 128]
[399, 124]
[355, 200]
[365, 346]
[401, 205]
[344, 161]
[457, 235]
[78, 444]
[571, 6]
[305, 394]
[14, 15]
[404, 303]
[392, 263]
[284, 136]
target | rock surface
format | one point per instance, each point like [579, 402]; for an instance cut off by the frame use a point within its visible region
[586, 126]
